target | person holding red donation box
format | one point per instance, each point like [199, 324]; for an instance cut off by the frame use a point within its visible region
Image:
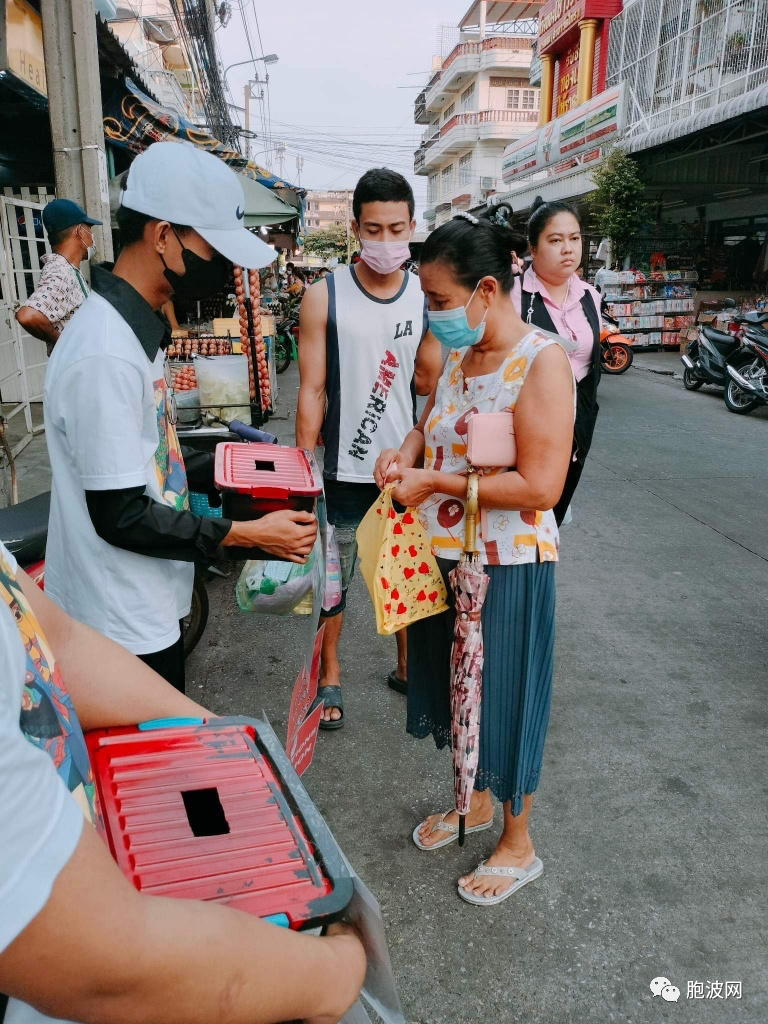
[496, 364]
[122, 541]
[77, 941]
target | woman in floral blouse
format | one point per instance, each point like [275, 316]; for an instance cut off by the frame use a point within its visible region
[495, 363]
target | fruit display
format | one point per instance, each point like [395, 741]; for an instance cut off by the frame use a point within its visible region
[258, 376]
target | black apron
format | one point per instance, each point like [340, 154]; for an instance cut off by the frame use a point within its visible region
[533, 310]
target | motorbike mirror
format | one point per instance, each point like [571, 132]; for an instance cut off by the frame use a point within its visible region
[730, 303]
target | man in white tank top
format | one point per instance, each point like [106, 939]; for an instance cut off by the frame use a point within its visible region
[364, 356]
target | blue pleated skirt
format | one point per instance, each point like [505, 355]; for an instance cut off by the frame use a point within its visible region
[518, 621]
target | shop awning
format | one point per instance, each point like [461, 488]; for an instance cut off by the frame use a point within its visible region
[263, 207]
[498, 13]
[727, 110]
[134, 121]
[565, 186]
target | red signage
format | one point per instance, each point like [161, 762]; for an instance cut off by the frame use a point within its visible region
[559, 18]
[568, 80]
[302, 729]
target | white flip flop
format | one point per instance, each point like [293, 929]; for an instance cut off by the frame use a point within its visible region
[522, 875]
[442, 826]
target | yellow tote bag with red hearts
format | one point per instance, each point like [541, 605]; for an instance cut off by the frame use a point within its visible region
[398, 566]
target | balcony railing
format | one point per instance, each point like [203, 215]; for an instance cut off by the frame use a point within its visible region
[490, 117]
[492, 43]
[419, 159]
[420, 107]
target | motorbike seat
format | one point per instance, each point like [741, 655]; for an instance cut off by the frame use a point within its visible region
[24, 528]
[722, 341]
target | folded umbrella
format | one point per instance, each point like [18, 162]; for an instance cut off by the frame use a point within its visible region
[470, 585]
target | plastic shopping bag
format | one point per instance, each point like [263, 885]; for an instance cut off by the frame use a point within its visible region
[398, 566]
[332, 587]
[275, 588]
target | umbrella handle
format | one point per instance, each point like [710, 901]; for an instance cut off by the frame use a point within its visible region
[470, 529]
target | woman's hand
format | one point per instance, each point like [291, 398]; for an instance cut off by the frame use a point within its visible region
[413, 486]
[389, 460]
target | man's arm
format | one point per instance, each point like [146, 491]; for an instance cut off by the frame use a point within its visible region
[100, 951]
[108, 685]
[37, 324]
[312, 325]
[429, 363]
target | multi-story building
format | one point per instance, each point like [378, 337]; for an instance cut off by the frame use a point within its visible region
[682, 85]
[324, 209]
[478, 99]
[158, 38]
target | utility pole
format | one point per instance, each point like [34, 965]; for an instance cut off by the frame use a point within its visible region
[247, 105]
[280, 151]
[74, 99]
[299, 168]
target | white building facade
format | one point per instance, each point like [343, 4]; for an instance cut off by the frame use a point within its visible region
[478, 100]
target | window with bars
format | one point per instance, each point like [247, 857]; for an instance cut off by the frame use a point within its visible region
[465, 169]
[449, 112]
[446, 176]
[522, 99]
[433, 185]
[468, 98]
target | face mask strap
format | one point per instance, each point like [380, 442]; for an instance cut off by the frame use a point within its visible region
[485, 314]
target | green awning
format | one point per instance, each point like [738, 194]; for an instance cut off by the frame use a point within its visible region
[262, 206]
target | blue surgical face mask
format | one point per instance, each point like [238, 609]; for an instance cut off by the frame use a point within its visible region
[451, 327]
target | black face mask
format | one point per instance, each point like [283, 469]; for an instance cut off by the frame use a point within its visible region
[201, 278]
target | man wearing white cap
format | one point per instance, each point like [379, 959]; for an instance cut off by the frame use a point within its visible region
[121, 539]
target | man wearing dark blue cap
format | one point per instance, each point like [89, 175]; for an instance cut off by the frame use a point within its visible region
[61, 288]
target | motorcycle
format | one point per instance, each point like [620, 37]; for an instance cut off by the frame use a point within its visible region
[24, 531]
[705, 359]
[616, 355]
[748, 376]
[286, 337]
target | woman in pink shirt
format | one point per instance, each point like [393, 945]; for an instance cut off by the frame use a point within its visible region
[553, 297]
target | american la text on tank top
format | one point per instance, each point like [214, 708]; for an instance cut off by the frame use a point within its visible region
[371, 348]
[377, 401]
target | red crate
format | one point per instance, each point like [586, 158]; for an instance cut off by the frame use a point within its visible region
[214, 811]
[256, 479]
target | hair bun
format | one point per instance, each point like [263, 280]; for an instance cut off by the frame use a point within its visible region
[537, 202]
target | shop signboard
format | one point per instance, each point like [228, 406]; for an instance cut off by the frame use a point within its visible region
[568, 80]
[560, 18]
[520, 158]
[578, 133]
[21, 44]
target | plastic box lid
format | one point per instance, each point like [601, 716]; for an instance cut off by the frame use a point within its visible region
[214, 811]
[267, 471]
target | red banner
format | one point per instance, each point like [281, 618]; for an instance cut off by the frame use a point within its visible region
[568, 80]
[560, 17]
[302, 729]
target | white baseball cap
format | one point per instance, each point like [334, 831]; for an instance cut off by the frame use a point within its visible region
[177, 182]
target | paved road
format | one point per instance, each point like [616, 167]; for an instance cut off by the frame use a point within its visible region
[651, 814]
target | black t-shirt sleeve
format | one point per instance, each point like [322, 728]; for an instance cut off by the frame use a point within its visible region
[129, 518]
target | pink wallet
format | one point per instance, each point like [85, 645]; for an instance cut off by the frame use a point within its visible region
[491, 440]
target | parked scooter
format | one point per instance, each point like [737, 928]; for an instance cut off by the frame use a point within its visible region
[705, 358]
[616, 355]
[748, 377]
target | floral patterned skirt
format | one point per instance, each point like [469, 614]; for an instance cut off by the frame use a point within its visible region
[518, 621]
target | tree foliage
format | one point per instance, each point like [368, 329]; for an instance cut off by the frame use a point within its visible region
[327, 242]
[618, 204]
